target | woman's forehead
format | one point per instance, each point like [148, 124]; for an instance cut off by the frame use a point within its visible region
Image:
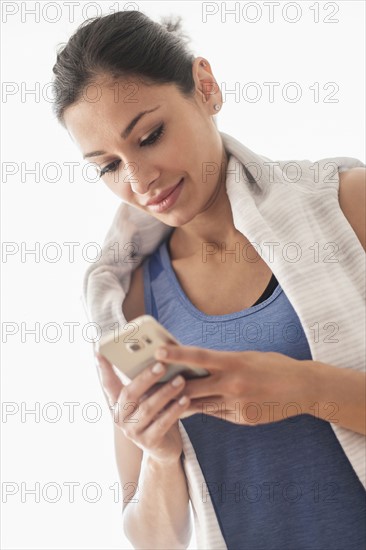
[104, 107]
[104, 99]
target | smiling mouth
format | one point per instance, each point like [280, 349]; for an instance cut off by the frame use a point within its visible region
[169, 199]
[163, 195]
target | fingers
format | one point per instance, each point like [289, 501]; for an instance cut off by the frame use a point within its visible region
[194, 356]
[144, 400]
[212, 405]
[160, 402]
[159, 411]
[143, 384]
[168, 417]
[111, 383]
[147, 404]
[207, 387]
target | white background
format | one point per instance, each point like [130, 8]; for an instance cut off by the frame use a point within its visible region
[37, 290]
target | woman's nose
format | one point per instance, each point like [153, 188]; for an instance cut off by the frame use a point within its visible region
[138, 186]
[140, 180]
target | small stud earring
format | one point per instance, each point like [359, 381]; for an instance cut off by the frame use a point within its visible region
[217, 107]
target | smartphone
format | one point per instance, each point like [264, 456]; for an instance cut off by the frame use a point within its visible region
[132, 350]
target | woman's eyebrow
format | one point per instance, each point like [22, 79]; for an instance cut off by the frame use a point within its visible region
[125, 133]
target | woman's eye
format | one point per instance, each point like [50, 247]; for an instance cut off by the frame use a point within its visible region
[154, 137]
[112, 167]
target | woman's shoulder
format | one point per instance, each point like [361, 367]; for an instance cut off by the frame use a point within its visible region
[134, 305]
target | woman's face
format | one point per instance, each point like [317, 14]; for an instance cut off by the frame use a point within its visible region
[176, 138]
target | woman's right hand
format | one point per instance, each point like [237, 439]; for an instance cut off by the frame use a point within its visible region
[149, 419]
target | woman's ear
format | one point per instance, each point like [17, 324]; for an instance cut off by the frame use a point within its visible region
[207, 89]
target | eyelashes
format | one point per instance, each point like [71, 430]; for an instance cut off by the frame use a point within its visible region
[153, 138]
[112, 167]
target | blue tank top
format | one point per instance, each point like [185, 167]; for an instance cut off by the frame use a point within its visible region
[285, 485]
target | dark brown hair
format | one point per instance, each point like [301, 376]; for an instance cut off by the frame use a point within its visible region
[122, 45]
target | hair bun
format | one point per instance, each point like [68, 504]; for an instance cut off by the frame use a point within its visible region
[172, 23]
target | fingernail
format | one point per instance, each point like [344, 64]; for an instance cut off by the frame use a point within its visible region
[183, 400]
[177, 381]
[157, 368]
[161, 353]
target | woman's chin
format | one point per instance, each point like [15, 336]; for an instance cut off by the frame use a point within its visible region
[176, 219]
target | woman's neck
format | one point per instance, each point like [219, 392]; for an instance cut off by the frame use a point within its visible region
[211, 229]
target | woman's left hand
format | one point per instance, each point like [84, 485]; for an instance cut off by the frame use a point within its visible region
[246, 387]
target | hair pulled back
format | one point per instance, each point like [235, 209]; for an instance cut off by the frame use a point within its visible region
[122, 45]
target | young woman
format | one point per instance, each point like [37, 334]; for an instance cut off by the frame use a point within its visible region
[263, 467]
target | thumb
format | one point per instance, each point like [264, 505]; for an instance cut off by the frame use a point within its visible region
[111, 383]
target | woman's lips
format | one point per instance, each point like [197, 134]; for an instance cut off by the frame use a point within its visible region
[163, 194]
[168, 200]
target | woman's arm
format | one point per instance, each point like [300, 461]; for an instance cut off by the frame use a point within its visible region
[156, 511]
[340, 395]
[161, 517]
[262, 387]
